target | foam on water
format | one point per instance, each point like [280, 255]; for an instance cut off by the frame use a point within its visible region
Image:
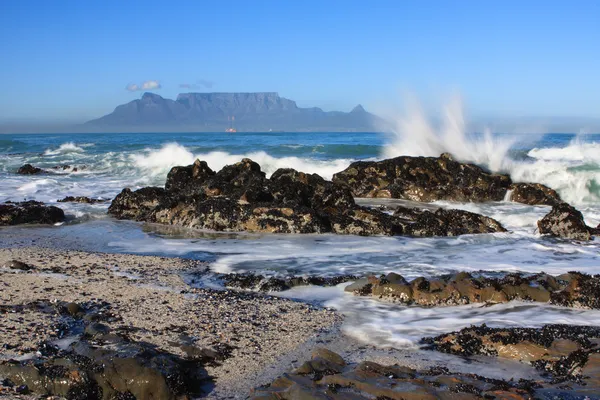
[393, 325]
[64, 148]
[158, 162]
[573, 171]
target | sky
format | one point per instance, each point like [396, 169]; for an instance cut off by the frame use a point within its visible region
[75, 60]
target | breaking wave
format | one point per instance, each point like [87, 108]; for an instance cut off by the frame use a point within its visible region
[573, 171]
[64, 148]
[158, 162]
[414, 135]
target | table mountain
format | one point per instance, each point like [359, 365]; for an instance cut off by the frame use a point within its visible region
[260, 111]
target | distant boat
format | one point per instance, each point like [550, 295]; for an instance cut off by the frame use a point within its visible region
[231, 128]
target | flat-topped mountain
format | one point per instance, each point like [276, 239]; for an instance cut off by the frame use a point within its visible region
[259, 111]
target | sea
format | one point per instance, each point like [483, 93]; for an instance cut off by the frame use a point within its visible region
[108, 162]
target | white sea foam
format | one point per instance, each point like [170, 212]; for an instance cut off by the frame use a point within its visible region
[393, 325]
[68, 147]
[577, 150]
[158, 162]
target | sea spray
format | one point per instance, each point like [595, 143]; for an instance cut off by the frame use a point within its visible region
[414, 135]
[573, 170]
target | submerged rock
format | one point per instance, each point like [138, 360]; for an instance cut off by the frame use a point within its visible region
[29, 169]
[240, 198]
[423, 179]
[81, 199]
[327, 376]
[534, 194]
[569, 290]
[560, 350]
[565, 221]
[29, 212]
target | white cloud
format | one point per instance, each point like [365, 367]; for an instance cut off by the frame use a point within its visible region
[148, 85]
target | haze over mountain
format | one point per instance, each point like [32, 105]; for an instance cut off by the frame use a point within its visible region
[257, 111]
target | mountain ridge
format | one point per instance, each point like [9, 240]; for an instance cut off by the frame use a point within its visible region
[216, 111]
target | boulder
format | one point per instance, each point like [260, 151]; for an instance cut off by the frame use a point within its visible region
[29, 212]
[80, 199]
[423, 179]
[29, 169]
[534, 194]
[424, 223]
[565, 221]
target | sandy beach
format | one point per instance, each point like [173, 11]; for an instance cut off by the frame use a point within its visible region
[151, 301]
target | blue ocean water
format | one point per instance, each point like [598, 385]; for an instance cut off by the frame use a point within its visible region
[107, 163]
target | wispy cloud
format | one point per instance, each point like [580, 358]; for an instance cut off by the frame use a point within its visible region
[201, 83]
[147, 85]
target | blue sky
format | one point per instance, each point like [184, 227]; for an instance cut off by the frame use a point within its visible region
[72, 60]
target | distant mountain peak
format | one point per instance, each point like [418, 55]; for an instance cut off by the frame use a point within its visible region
[151, 96]
[358, 109]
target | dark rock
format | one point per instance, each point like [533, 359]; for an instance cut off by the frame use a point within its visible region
[22, 389]
[276, 284]
[534, 194]
[16, 264]
[137, 205]
[185, 179]
[561, 350]
[106, 365]
[29, 169]
[331, 378]
[570, 290]
[81, 199]
[29, 212]
[423, 223]
[565, 221]
[73, 308]
[240, 198]
[423, 179]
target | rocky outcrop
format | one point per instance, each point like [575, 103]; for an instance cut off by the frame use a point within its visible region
[29, 169]
[424, 223]
[570, 290]
[81, 199]
[567, 222]
[276, 284]
[240, 198]
[429, 179]
[534, 194]
[102, 364]
[423, 179]
[567, 353]
[327, 376]
[29, 212]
